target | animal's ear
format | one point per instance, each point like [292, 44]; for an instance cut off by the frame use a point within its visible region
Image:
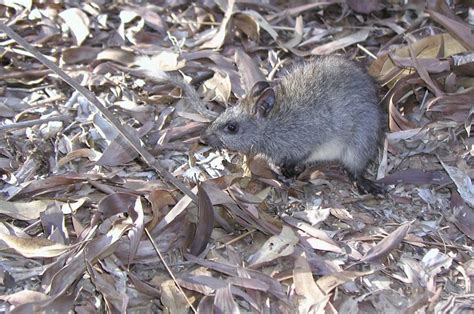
[265, 103]
[258, 89]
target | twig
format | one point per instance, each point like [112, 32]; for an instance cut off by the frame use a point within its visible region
[132, 140]
[25, 124]
[243, 235]
[370, 54]
[168, 269]
[47, 100]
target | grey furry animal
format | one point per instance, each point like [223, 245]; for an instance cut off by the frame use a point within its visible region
[323, 110]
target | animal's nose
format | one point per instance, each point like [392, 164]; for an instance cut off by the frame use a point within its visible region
[204, 138]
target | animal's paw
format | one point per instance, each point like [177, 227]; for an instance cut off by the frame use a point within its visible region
[366, 186]
[291, 170]
[285, 180]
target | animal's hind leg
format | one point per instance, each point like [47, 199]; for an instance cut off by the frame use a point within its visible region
[355, 166]
[364, 185]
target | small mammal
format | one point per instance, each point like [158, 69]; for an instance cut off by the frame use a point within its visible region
[322, 110]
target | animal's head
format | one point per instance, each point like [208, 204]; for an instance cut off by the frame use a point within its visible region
[241, 127]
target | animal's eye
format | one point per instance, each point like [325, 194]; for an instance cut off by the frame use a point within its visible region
[232, 127]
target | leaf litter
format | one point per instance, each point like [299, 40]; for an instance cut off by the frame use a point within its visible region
[91, 221]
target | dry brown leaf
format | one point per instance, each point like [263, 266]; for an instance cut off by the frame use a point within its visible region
[136, 230]
[23, 297]
[218, 87]
[465, 220]
[431, 47]
[24, 211]
[328, 283]
[218, 39]
[247, 25]
[462, 181]
[172, 298]
[82, 54]
[78, 22]
[90, 154]
[224, 301]
[248, 70]
[112, 288]
[297, 34]
[167, 61]
[365, 7]
[279, 245]
[34, 247]
[313, 299]
[262, 22]
[18, 5]
[205, 223]
[341, 43]
[384, 247]
[99, 247]
[118, 55]
[176, 210]
[457, 27]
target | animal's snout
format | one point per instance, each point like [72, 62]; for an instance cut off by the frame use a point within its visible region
[204, 138]
[210, 139]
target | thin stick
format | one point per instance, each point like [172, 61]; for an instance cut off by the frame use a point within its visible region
[25, 124]
[168, 269]
[132, 140]
[243, 235]
[370, 54]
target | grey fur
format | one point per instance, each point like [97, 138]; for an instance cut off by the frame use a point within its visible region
[326, 109]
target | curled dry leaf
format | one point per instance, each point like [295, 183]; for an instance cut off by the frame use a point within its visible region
[205, 222]
[317, 239]
[112, 287]
[462, 181]
[136, 231]
[224, 301]
[78, 22]
[218, 39]
[262, 22]
[247, 25]
[429, 48]
[384, 247]
[167, 61]
[118, 55]
[297, 34]
[435, 262]
[18, 5]
[218, 87]
[456, 26]
[117, 203]
[92, 251]
[176, 210]
[90, 154]
[464, 216]
[279, 245]
[248, 70]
